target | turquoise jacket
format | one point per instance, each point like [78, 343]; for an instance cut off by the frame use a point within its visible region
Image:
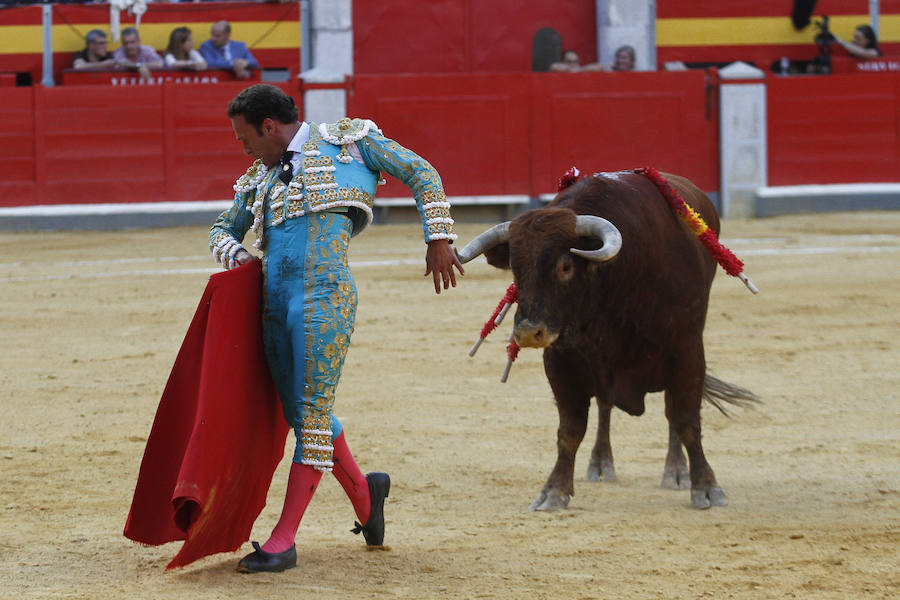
[331, 178]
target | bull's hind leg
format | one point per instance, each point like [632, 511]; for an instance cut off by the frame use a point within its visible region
[676, 475]
[683, 412]
[601, 467]
[572, 404]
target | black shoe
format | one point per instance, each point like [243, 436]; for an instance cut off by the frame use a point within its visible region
[373, 530]
[259, 561]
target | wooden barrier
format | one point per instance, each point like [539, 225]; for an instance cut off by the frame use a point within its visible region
[615, 121]
[491, 136]
[833, 129]
[516, 133]
[18, 149]
[119, 144]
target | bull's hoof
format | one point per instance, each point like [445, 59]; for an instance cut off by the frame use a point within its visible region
[601, 471]
[706, 497]
[550, 501]
[676, 478]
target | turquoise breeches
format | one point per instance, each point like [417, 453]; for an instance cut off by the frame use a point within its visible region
[308, 315]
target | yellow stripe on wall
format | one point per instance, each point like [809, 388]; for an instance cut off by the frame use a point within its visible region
[21, 39]
[26, 39]
[755, 31]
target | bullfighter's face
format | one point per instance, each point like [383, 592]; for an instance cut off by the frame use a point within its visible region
[262, 143]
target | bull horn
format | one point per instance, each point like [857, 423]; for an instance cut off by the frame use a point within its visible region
[485, 241]
[606, 231]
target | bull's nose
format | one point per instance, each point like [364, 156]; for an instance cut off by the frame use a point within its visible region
[533, 335]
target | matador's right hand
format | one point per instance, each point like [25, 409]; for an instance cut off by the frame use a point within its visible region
[242, 257]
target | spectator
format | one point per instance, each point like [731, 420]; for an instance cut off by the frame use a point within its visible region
[132, 55]
[180, 53]
[221, 52]
[94, 55]
[864, 44]
[624, 59]
[571, 63]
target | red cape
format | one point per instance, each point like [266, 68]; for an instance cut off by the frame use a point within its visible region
[219, 432]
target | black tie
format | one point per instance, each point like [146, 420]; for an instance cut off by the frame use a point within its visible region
[286, 172]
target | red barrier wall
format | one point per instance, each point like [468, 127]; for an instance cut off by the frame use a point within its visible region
[473, 128]
[99, 144]
[488, 134]
[517, 133]
[833, 129]
[17, 147]
[614, 121]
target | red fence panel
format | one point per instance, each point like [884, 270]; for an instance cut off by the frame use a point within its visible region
[613, 121]
[17, 147]
[474, 128]
[203, 158]
[487, 134]
[100, 144]
[517, 133]
[833, 129]
[106, 144]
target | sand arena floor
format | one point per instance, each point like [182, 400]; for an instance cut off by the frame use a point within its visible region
[92, 323]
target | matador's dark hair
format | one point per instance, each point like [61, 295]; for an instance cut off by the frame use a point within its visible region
[263, 101]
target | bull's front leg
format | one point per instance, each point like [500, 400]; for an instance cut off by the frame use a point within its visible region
[601, 467]
[572, 402]
[560, 485]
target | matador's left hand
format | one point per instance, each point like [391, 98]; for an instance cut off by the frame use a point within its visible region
[439, 262]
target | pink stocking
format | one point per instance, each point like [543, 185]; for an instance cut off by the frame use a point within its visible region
[351, 479]
[302, 483]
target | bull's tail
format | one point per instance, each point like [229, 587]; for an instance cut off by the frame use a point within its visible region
[718, 393]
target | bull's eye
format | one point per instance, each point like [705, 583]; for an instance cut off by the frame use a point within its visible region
[565, 268]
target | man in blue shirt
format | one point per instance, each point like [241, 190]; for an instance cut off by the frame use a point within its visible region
[220, 52]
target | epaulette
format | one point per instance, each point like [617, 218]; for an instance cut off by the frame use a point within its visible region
[249, 180]
[347, 131]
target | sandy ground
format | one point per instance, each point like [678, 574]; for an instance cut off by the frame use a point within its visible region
[92, 323]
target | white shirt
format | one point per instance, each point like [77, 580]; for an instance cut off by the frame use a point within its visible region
[296, 145]
[193, 56]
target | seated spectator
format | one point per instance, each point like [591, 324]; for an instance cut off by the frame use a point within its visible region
[94, 55]
[221, 52]
[180, 53]
[571, 63]
[864, 44]
[132, 55]
[624, 59]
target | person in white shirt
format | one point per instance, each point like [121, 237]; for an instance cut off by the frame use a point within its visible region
[180, 53]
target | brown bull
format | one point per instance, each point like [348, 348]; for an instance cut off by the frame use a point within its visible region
[614, 286]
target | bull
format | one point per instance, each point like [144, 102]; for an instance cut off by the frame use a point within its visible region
[614, 287]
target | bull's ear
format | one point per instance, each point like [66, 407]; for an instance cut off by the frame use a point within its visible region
[498, 256]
